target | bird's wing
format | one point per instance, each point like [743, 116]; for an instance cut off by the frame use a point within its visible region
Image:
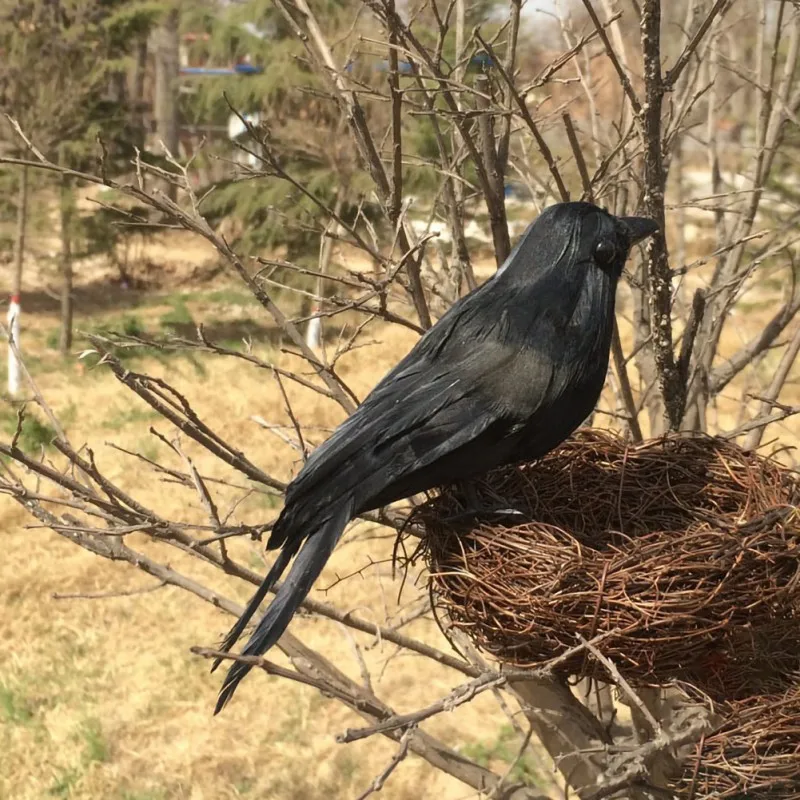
[444, 412]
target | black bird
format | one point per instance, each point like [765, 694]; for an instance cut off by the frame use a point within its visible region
[508, 373]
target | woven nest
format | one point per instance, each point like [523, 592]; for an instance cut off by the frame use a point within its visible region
[754, 755]
[683, 550]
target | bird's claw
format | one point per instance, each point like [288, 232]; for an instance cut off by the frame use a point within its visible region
[484, 513]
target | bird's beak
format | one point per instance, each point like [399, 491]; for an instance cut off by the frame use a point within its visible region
[638, 228]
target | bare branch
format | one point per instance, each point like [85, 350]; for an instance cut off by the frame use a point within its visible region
[623, 76]
[632, 418]
[492, 162]
[721, 376]
[577, 154]
[675, 72]
[380, 780]
[526, 116]
[771, 395]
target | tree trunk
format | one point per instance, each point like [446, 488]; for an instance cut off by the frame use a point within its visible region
[166, 44]
[14, 305]
[19, 244]
[141, 113]
[67, 208]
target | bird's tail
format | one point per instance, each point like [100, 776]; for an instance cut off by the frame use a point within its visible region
[313, 555]
[277, 569]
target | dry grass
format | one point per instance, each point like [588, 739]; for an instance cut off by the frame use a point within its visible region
[101, 698]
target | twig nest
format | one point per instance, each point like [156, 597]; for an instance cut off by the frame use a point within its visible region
[682, 552]
[754, 754]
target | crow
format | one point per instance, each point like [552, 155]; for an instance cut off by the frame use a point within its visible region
[508, 373]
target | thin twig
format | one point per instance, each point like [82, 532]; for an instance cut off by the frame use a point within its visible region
[526, 116]
[107, 595]
[621, 74]
[577, 154]
[632, 416]
[380, 780]
[683, 59]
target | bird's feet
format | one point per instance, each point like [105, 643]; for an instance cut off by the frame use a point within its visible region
[484, 513]
[476, 508]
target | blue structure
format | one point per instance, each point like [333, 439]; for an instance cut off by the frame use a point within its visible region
[236, 69]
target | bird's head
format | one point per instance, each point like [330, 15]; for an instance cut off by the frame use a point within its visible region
[615, 237]
[568, 236]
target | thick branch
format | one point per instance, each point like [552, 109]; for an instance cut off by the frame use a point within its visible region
[497, 212]
[658, 275]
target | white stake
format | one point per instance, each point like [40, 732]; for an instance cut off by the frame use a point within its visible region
[313, 331]
[14, 310]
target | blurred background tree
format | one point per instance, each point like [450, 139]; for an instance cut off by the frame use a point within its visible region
[63, 76]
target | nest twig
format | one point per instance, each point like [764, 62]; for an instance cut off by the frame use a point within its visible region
[687, 547]
[755, 754]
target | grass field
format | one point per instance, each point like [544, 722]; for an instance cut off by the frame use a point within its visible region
[101, 698]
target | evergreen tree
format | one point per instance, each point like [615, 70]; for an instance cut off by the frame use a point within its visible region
[305, 128]
[303, 125]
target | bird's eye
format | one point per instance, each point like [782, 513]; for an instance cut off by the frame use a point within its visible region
[605, 251]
